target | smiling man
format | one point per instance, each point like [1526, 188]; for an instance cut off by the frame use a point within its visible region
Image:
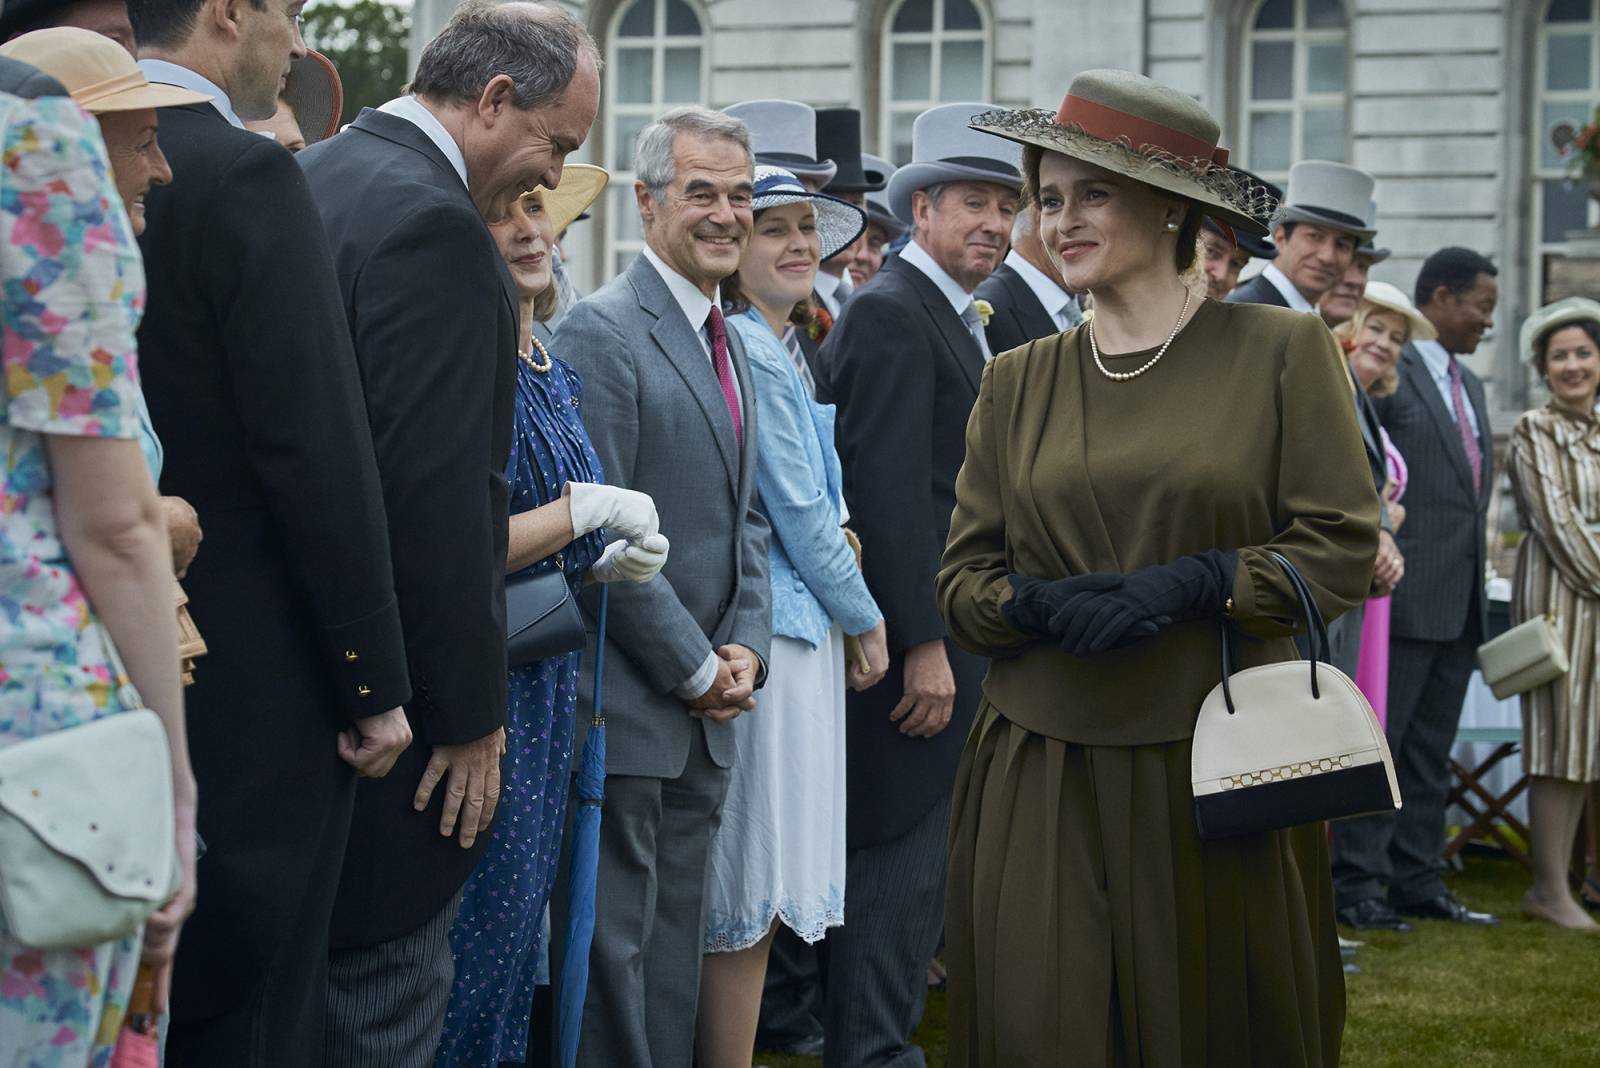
[500, 98]
[1320, 225]
[903, 364]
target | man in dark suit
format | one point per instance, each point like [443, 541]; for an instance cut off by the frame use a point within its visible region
[1439, 422]
[255, 394]
[1025, 294]
[669, 404]
[1322, 219]
[106, 17]
[499, 99]
[903, 363]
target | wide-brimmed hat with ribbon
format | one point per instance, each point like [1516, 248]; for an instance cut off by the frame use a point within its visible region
[946, 148]
[783, 133]
[878, 210]
[315, 94]
[1330, 194]
[1383, 296]
[1137, 127]
[96, 71]
[1566, 312]
[581, 184]
[839, 139]
[839, 222]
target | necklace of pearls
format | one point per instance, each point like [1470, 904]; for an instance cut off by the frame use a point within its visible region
[1117, 376]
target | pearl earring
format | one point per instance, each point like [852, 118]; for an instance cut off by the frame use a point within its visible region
[1171, 227]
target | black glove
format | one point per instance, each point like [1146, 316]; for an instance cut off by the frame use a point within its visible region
[1034, 602]
[1190, 587]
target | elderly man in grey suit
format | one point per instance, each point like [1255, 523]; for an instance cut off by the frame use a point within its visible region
[670, 407]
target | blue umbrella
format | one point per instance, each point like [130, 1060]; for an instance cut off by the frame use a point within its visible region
[581, 871]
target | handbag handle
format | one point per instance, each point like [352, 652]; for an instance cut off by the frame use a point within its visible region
[1316, 631]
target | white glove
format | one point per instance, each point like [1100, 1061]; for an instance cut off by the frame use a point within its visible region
[625, 561]
[625, 513]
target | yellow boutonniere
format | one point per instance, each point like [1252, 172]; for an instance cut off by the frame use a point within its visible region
[985, 310]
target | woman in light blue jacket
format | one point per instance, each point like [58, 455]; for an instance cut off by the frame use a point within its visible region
[779, 853]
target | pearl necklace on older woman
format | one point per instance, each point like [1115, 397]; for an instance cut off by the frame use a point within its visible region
[542, 364]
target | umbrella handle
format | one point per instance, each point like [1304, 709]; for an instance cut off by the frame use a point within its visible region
[600, 654]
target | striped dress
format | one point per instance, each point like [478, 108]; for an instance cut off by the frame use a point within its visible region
[1554, 459]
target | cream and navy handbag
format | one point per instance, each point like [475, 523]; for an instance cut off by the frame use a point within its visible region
[1527, 656]
[87, 847]
[1290, 743]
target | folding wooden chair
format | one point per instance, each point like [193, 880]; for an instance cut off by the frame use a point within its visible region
[1487, 811]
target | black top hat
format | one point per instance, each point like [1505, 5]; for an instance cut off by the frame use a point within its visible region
[839, 139]
[20, 16]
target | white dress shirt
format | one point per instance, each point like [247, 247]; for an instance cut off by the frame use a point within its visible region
[411, 109]
[696, 308]
[1281, 283]
[1057, 301]
[159, 70]
[1437, 361]
[832, 289]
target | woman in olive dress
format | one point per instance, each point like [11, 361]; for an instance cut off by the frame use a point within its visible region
[1123, 484]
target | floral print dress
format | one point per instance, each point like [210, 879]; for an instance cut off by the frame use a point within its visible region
[74, 289]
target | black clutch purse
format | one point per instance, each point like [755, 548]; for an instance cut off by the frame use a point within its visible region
[542, 618]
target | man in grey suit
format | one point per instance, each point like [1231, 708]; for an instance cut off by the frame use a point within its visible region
[669, 405]
[1439, 421]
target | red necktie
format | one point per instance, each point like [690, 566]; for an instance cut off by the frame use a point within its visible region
[1469, 440]
[719, 361]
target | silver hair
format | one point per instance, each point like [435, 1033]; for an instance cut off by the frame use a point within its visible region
[536, 45]
[652, 157]
[935, 194]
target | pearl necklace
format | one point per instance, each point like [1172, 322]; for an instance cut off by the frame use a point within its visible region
[544, 354]
[1117, 376]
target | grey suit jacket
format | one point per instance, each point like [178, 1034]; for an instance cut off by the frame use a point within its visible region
[659, 424]
[1444, 537]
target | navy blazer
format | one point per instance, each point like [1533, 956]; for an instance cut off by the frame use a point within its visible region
[1257, 291]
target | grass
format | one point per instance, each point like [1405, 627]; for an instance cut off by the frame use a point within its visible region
[1521, 995]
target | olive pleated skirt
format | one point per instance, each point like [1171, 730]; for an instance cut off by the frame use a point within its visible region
[1087, 924]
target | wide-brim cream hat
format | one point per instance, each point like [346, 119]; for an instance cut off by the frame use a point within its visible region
[1386, 297]
[1564, 312]
[98, 72]
[1137, 127]
[581, 184]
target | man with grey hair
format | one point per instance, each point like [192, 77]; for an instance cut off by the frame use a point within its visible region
[500, 98]
[1025, 294]
[669, 405]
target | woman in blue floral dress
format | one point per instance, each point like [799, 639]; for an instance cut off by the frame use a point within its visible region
[84, 555]
[558, 510]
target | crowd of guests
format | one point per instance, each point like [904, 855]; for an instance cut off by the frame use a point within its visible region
[915, 500]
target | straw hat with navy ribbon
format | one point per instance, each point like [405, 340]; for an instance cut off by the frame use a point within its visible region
[1133, 126]
[838, 223]
[945, 148]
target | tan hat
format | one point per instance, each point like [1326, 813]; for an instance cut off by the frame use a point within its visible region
[1566, 312]
[580, 184]
[98, 72]
[1150, 132]
[1385, 297]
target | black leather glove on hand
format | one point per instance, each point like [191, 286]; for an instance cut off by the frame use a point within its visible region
[1190, 587]
[1035, 602]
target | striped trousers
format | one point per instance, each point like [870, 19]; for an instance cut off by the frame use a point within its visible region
[386, 1002]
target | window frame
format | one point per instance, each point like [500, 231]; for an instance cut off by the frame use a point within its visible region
[1539, 174]
[1299, 101]
[935, 37]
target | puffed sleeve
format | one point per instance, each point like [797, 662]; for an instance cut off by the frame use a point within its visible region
[1539, 473]
[74, 279]
[972, 584]
[1326, 505]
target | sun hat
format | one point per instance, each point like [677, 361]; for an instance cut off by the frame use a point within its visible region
[945, 147]
[581, 184]
[839, 223]
[878, 200]
[783, 133]
[1564, 312]
[315, 94]
[1330, 194]
[1152, 133]
[839, 139]
[1386, 297]
[98, 73]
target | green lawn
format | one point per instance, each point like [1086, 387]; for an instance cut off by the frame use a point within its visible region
[1521, 994]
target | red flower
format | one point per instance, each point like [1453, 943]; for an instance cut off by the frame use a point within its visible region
[821, 323]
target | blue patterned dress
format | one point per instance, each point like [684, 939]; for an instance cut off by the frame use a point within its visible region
[497, 935]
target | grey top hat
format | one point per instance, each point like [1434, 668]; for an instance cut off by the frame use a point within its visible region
[945, 148]
[783, 133]
[1367, 251]
[878, 200]
[1329, 194]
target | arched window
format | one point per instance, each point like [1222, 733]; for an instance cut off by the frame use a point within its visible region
[656, 59]
[1295, 90]
[1567, 83]
[934, 52]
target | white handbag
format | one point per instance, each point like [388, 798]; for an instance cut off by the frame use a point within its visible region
[1528, 655]
[1287, 744]
[87, 849]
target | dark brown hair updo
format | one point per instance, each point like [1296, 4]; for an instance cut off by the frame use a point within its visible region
[1541, 344]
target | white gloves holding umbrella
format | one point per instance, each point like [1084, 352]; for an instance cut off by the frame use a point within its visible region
[641, 552]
